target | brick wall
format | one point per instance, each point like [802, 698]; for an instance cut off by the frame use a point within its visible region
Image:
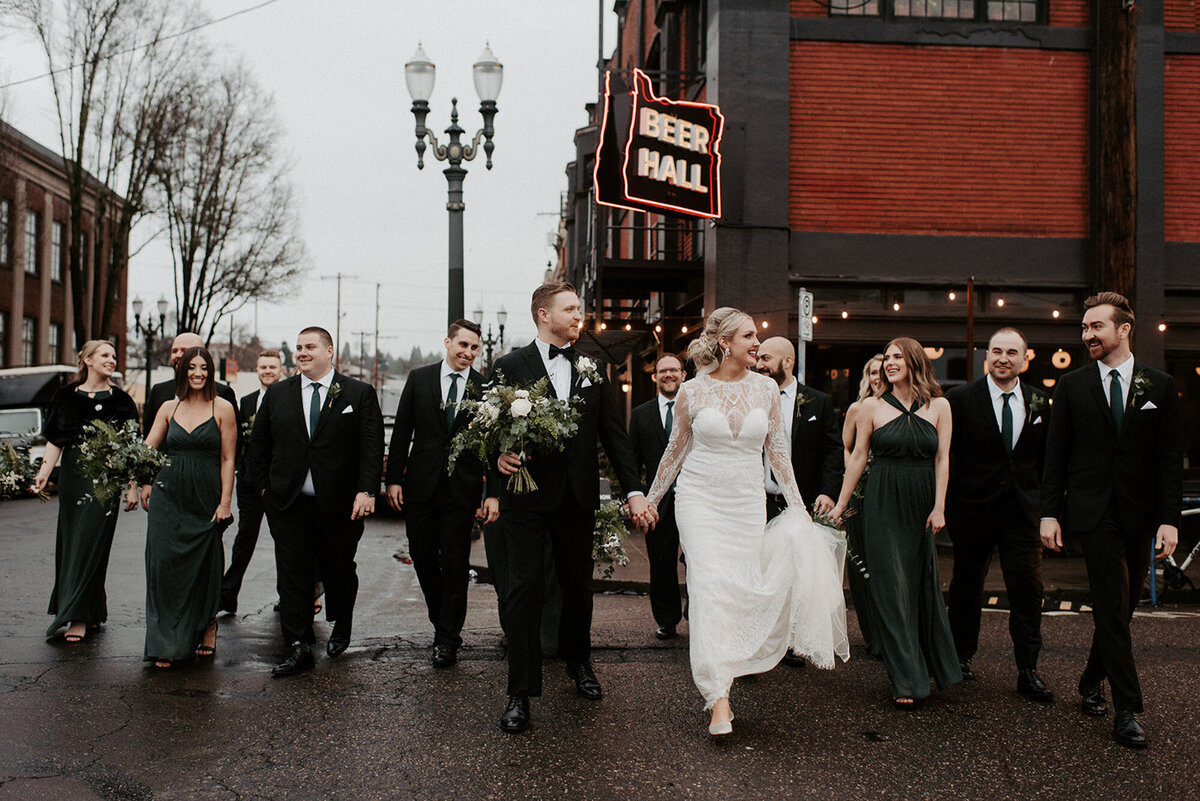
[938, 140]
[1181, 15]
[1182, 152]
[1069, 13]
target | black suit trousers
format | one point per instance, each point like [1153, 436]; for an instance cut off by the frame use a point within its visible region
[662, 548]
[301, 531]
[439, 542]
[568, 530]
[1009, 533]
[250, 517]
[1117, 564]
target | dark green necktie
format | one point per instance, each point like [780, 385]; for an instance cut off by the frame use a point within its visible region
[1114, 398]
[452, 400]
[1006, 423]
[314, 410]
[670, 419]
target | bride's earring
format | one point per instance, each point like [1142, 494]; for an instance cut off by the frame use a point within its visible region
[726, 353]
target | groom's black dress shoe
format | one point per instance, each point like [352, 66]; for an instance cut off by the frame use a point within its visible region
[339, 639]
[1030, 685]
[1093, 703]
[665, 633]
[516, 716]
[790, 658]
[444, 656]
[585, 680]
[300, 659]
[965, 666]
[1128, 731]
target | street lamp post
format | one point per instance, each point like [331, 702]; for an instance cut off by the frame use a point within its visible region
[419, 74]
[489, 342]
[150, 331]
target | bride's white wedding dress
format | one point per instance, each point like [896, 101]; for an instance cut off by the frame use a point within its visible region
[754, 589]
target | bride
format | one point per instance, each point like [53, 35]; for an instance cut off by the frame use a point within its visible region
[754, 589]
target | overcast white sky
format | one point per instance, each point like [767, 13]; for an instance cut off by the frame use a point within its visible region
[337, 73]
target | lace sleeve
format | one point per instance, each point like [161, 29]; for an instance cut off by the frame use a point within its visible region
[677, 448]
[779, 455]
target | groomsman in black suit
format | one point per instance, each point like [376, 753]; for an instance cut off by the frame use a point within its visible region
[814, 433]
[164, 391]
[1115, 450]
[316, 452]
[562, 510]
[249, 499]
[439, 507]
[993, 503]
[649, 427]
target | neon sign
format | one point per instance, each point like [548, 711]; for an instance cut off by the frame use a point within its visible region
[656, 154]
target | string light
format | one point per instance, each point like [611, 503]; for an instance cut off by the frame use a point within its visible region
[683, 329]
[1055, 314]
[764, 323]
[1162, 326]
[815, 319]
[952, 296]
[658, 329]
[845, 314]
[628, 327]
[896, 307]
[603, 326]
[1000, 303]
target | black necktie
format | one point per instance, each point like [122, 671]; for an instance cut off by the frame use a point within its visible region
[669, 419]
[314, 409]
[452, 400]
[1114, 398]
[555, 350]
[1006, 423]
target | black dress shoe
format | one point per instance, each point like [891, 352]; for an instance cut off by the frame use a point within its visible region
[339, 639]
[228, 606]
[790, 658]
[965, 666]
[444, 656]
[516, 716]
[1093, 703]
[665, 633]
[1030, 685]
[299, 660]
[1128, 731]
[585, 680]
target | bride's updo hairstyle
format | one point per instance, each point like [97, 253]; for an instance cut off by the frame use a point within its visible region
[706, 351]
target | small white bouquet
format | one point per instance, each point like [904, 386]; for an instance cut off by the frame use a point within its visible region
[608, 538]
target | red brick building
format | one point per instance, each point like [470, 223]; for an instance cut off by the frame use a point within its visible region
[37, 324]
[881, 153]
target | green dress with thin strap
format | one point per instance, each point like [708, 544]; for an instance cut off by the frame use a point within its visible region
[912, 630]
[184, 557]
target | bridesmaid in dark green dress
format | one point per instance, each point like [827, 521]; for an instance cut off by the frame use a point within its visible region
[189, 507]
[85, 530]
[908, 430]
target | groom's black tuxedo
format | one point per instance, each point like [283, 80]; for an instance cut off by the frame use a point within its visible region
[1120, 486]
[817, 450]
[561, 510]
[439, 508]
[649, 440]
[993, 503]
[345, 456]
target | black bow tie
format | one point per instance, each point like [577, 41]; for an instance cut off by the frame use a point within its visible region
[555, 350]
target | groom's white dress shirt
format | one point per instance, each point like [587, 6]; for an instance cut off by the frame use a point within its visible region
[1016, 404]
[558, 368]
[447, 371]
[1125, 370]
[307, 388]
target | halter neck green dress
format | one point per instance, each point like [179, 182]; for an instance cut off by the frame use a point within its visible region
[911, 627]
[184, 557]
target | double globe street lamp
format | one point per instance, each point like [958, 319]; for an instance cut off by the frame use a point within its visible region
[151, 332]
[489, 342]
[419, 75]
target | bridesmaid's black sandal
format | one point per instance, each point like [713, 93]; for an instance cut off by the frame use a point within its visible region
[208, 650]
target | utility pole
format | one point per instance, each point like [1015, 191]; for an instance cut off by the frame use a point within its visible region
[1114, 99]
[362, 349]
[375, 363]
[337, 337]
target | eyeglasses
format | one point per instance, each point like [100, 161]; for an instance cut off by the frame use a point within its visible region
[669, 370]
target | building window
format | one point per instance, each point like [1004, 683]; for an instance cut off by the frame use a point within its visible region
[966, 10]
[28, 342]
[58, 254]
[1012, 10]
[54, 341]
[936, 9]
[4, 215]
[32, 223]
[3, 339]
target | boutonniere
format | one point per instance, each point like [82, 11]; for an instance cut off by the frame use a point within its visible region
[1037, 402]
[1139, 385]
[334, 391]
[248, 425]
[803, 400]
[587, 368]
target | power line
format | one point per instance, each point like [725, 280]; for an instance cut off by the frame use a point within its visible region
[135, 48]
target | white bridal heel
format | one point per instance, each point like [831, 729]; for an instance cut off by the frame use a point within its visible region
[717, 729]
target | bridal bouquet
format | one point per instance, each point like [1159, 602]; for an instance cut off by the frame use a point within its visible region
[17, 472]
[840, 527]
[608, 538]
[111, 457]
[514, 419]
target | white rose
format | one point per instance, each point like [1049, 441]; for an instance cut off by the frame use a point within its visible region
[522, 393]
[521, 407]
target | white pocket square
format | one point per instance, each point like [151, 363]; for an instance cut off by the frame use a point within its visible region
[1038, 420]
[812, 419]
[347, 410]
[584, 383]
[1149, 405]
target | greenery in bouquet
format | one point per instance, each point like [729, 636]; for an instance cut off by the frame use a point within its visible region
[248, 426]
[17, 472]
[822, 519]
[110, 458]
[608, 538]
[523, 420]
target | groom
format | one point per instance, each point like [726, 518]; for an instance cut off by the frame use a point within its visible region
[316, 452]
[1114, 448]
[562, 510]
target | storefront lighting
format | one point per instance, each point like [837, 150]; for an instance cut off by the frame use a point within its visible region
[1000, 303]
[628, 327]
[1055, 314]
[658, 329]
[845, 314]
[953, 296]
[1162, 327]
[1049, 382]
[625, 386]
[764, 324]
[1061, 359]
[896, 307]
[603, 326]
[934, 353]
[683, 329]
[816, 319]
[1198, 370]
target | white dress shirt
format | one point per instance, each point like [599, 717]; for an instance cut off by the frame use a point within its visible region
[1126, 371]
[787, 404]
[558, 368]
[1016, 403]
[447, 371]
[262, 393]
[307, 388]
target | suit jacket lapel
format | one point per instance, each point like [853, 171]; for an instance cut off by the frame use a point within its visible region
[983, 395]
[537, 368]
[1027, 394]
[433, 394]
[327, 407]
[1096, 389]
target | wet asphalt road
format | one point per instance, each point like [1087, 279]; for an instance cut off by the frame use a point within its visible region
[90, 721]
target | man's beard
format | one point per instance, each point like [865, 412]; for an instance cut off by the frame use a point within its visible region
[777, 375]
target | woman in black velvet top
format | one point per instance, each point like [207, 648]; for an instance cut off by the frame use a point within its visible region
[85, 530]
